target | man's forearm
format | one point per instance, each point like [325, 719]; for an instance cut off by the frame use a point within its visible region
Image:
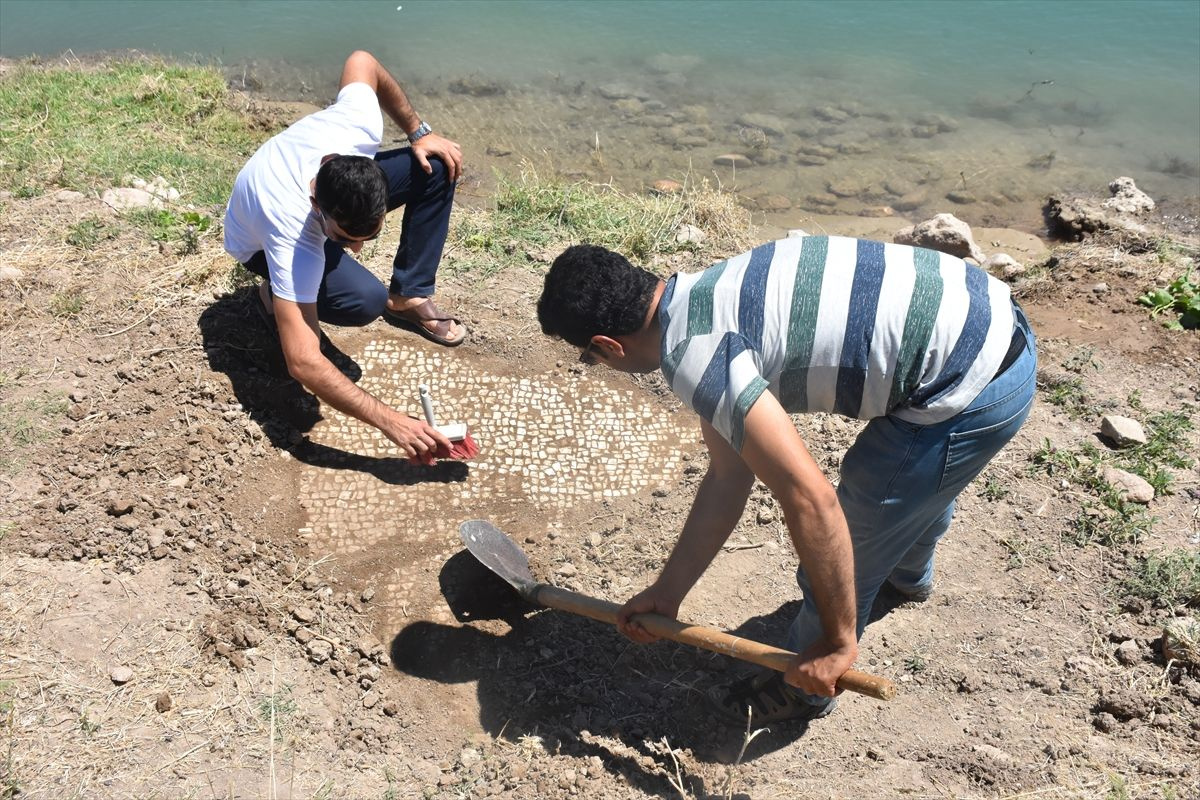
[394, 102]
[327, 382]
[715, 511]
[822, 541]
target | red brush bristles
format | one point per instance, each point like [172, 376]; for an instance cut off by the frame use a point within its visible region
[461, 450]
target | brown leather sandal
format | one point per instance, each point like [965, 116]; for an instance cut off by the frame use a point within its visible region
[414, 319]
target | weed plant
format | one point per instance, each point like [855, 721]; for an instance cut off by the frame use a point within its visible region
[533, 215]
[1168, 580]
[88, 128]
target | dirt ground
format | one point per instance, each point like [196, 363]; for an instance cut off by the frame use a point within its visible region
[211, 587]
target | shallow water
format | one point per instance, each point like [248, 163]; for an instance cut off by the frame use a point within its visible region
[981, 108]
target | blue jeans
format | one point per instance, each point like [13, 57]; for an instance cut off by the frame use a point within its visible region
[899, 482]
[350, 295]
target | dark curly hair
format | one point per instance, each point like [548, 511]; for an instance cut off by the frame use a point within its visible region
[353, 192]
[590, 290]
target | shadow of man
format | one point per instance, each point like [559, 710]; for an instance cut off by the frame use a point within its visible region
[581, 686]
[245, 347]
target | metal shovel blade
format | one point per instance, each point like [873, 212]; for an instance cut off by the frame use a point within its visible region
[500, 554]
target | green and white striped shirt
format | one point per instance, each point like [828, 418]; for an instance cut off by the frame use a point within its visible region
[826, 323]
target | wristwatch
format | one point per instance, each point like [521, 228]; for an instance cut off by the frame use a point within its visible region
[421, 130]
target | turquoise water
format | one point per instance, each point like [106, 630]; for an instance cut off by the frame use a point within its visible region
[1099, 87]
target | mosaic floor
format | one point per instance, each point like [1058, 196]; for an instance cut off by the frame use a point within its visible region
[548, 443]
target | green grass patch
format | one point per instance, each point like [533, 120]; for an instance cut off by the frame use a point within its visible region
[1068, 394]
[26, 423]
[87, 233]
[89, 128]
[1168, 579]
[66, 305]
[533, 215]
[1179, 300]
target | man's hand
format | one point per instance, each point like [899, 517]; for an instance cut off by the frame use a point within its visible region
[449, 152]
[652, 600]
[816, 670]
[415, 437]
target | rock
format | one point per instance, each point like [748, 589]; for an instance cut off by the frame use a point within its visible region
[1122, 431]
[475, 86]
[963, 198]
[303, 635]
[945, 233]
[319, 651]
[10, 274]
[304, 614]
[179, 481]
[764, 122]
[774, 202]
[391, 708]
[912, 200]
[1003, 265]
[809, 160]
[121, 675]
[666, 186]
[367, 594]
[68, 196]
[735, 160]
[163, 703]
[831, 114]
[1123, 703]
[370, 699]
[1127, 198]
[567, 570]
[1131, 487]
[847, 187]
[1129, 653]
[877, 211]
[794, 233]
[615, 91]
[690, 234]
[119, 505]
[1100, 288]
[124, 199]
[1075, 218]
[899, 187]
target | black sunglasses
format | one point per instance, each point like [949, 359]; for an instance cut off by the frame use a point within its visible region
[339, 239]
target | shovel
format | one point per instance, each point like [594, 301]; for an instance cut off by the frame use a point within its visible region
[502, 556]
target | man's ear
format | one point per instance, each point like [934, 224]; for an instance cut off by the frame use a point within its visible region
[608, 346]
[325, 159]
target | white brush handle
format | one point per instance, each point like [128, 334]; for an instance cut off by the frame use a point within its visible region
[426, 403]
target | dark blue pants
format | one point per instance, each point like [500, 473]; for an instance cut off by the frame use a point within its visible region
[350, 295]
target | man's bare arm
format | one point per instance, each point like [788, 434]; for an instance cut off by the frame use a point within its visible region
[718, 505]
[778, 456]
[362, 67]
[299, 336]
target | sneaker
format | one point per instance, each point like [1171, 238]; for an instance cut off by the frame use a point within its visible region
[916, 594]
[770, 698]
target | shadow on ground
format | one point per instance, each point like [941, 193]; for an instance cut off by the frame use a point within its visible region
[245, 347]
[570, 680]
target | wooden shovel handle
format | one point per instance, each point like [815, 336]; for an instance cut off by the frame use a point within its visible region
[706, 638]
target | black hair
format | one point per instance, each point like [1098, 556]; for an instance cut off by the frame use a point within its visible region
[590, 290]
[353, 192]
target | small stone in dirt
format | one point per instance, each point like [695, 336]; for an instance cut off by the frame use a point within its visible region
[319, 651]
[1122, 431]
[370, 699]
[1133, 488]
[207, 679]
[163, 704]
[121, 675]
[567, 570]
[178, 482]
[303, 635]
[119, 505]
[1129, 653]
[367, 595]
[304, 614]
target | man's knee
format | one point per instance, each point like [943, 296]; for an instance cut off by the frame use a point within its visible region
[361, 308]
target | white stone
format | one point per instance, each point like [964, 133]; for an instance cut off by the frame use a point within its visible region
[1004, 265]
[945, 233]
[1122, 431]
[121, 675]
[690, 234]
[1132, 487]
[1127, 198]
[797, 233]
[123, 199]
[10, 274]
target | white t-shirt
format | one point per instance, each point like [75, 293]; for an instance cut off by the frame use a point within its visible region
[270, 209]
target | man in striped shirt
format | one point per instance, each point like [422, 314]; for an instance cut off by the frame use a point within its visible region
[931, 350]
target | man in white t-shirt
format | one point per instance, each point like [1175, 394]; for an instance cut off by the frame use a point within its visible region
[311, 197]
